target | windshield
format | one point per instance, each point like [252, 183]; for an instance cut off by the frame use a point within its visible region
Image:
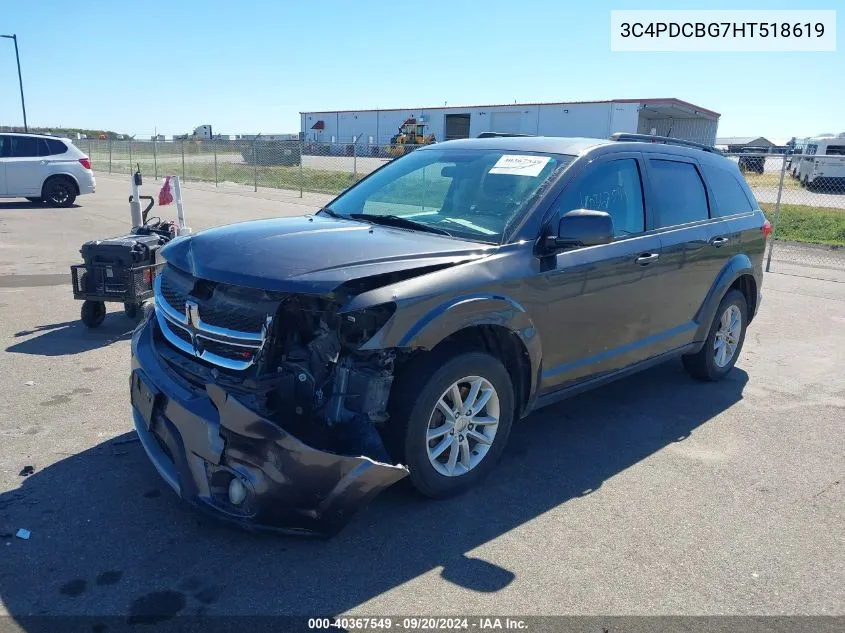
[471, 194]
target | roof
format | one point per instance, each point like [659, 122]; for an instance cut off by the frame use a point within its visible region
[38, 134]
[666, 101]
[572, 146]
[745, 140]
[549, 144]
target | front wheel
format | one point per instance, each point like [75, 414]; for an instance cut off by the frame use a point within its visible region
[452, 431]
[724, 341]
[93, 313]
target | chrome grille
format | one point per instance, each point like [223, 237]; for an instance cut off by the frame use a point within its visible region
[173, 294]
[225, 329]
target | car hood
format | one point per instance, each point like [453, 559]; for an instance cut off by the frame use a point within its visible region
[312, 253]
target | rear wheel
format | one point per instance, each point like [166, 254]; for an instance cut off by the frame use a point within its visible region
[452, 431]
[59, 191]
[93, 313]
[724, 341]
[130, 310]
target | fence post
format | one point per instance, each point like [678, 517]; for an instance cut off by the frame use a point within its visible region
[214, 145]
[183, 160]
[777, 214]
[109, 155]
[254, 167]
[354, 160]
[155, 158]
[130, 156]
[301, 180]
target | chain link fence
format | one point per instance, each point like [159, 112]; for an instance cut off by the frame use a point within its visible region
[803, 195]
[292, 166]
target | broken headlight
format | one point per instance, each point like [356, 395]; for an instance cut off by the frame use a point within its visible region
[358, 327]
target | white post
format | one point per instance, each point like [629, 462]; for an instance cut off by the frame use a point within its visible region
[180, 212]
[135, 204]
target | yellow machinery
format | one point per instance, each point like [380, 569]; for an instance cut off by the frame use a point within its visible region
[411, 133]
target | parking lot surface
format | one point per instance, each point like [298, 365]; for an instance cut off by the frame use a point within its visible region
[654, 495]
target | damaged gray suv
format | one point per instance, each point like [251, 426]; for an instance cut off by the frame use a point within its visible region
[293, 368]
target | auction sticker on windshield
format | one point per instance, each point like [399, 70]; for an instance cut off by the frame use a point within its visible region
[520, 165]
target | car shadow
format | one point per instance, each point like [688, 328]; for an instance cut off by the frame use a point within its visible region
[73, 337]
[110, 538]
[16, 205]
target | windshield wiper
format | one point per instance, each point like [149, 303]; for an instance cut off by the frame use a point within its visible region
[398, 221]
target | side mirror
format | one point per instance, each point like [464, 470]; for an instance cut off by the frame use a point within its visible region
[582, 227]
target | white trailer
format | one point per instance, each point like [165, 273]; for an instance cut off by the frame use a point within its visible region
[665, 117]
[823, 163]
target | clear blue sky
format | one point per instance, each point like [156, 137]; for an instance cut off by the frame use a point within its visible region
[250, 66]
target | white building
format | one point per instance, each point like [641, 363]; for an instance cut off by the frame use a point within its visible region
[203, 132]
[598, 119]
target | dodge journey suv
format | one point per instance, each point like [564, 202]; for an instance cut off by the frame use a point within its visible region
[292, 368]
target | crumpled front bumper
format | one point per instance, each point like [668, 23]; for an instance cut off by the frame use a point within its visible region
[200, 440]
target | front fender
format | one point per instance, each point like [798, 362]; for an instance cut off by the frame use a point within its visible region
[737, 266]
[463, 312]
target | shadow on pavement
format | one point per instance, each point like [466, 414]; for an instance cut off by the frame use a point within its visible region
[73, 337]
[110, 538]
[26, 205]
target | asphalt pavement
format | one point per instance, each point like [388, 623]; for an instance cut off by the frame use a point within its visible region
[656, 495]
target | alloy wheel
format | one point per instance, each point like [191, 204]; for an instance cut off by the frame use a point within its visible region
[462, 426]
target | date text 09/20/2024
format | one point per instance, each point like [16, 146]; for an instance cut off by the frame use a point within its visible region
[418, 623]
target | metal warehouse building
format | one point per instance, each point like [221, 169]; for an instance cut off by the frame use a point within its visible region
[665, 117]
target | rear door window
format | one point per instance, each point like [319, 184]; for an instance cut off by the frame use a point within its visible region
[679, 193]
[24, 146]
[728, 195]
[5, 146]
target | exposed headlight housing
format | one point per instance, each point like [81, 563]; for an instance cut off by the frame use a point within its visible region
[360, 326]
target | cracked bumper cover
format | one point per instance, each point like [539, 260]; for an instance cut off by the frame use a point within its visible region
[199, 441]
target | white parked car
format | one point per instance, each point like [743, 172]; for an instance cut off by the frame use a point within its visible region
[43, 168]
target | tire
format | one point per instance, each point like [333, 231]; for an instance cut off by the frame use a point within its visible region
[705, 364]
[35, 200]
[414, 412]
[93, 313]
[131, 310]
[59, 191]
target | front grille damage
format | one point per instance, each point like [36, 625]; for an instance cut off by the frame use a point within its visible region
[307, 374]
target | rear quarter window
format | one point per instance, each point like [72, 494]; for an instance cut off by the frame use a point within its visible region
[728, 194]
[56, 147]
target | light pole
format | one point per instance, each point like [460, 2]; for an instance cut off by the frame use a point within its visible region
[14, 38]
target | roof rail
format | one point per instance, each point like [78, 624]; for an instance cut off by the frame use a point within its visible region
[499, 134]
[668, 140]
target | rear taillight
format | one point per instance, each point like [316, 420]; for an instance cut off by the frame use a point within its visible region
[767, 229]
[148, 276]
[85, 162]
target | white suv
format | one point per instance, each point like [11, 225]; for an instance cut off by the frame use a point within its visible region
[43, 168]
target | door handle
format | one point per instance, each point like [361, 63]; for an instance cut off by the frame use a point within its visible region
[719, 241]
[646, 258]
